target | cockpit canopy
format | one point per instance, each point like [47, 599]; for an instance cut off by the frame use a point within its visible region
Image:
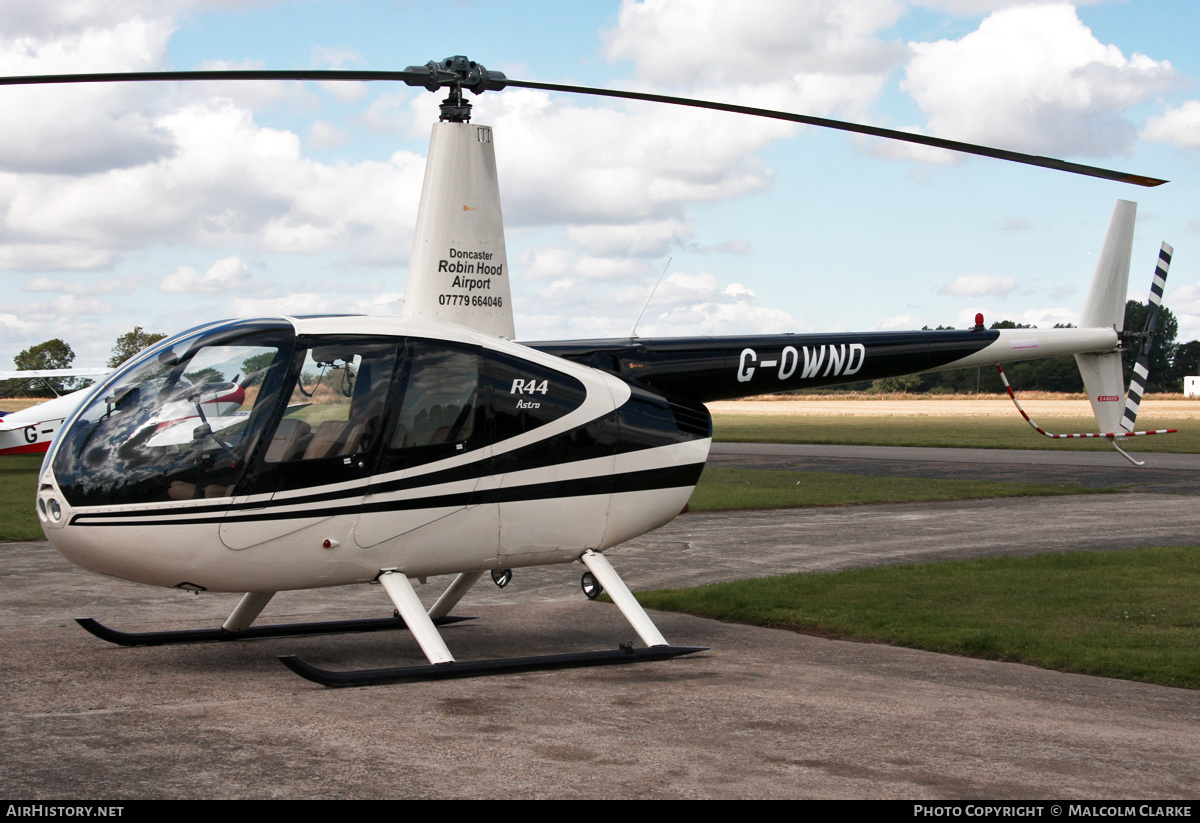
[250, 408]
[178, 421]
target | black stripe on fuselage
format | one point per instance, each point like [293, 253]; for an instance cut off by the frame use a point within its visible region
[717, 368]
[668, 477]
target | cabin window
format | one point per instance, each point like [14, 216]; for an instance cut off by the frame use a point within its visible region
[441, 396]
[527, 395]
[337, 403]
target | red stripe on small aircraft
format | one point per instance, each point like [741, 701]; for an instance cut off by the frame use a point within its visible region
[28, 448]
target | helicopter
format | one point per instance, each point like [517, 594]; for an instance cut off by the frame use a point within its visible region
[387, 449]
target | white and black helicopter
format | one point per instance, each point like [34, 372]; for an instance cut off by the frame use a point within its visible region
[387, 449]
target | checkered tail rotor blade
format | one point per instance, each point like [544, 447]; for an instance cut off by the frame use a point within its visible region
[1141, 371]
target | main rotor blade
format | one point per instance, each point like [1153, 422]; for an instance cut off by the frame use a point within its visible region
[433, 76]
[874, 131]
[412, 78]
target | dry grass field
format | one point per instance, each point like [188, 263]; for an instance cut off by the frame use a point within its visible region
[1038, 404]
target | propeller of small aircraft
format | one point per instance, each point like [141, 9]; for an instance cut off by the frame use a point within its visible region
[459, 74]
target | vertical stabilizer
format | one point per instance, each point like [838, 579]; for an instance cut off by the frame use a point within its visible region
[1105, 308]
[459, 270]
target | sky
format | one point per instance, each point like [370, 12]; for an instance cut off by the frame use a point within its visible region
[168, 205]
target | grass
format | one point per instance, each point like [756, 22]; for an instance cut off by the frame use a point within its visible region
[944, 432]
[18, 484]
[725, 489]
[1126, 614]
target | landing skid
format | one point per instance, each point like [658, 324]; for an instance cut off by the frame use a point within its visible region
[254, 632]
[480, 668]
[443, 666]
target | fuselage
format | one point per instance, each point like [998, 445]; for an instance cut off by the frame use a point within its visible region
[362, 444]
[368, 443]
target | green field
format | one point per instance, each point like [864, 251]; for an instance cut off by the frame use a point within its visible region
[944, 432]
[724, 489]
[18, 483]
[1127, 614]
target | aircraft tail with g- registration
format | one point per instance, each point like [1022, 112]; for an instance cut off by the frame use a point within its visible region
[703, 369]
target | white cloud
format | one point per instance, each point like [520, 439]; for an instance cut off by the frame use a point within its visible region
[1042, 318]
[316, 302]
[325, 135]
[347, 91]
[562, 305]
[67, 304]
[727, 247]
[900, 150]
[683, 305]
[696, 304]
[123, 285]
[974, 8]
[1034, 79]
[640, 165]
[227, 181]
[1047, 318]
[645, 164]
[228, 275]
[52, 256]
[899, 321]
[976, 285]
[1186, 299]
[1180, 126]
[647, 239]
[709, 42]
[40, 126]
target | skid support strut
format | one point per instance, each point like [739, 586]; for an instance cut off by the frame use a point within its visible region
[247, 611]
[454, 593]
[613, 584]
[443, 666]
[409, 605]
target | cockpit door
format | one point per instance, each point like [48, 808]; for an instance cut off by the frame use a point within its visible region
[425, 494]
[311, 475]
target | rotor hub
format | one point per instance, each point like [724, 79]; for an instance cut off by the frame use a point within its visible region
[456, 73]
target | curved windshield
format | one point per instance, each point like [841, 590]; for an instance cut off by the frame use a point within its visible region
[179, 424]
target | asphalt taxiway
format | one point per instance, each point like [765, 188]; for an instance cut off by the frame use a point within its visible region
[765, 713]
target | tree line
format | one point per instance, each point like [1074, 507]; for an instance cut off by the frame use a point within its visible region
[1169, 363]
[57, 354]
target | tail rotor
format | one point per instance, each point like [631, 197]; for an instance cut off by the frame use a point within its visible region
[1141, 369]
[1105, 309]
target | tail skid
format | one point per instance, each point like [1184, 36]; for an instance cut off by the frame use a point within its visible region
[1103, 435]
